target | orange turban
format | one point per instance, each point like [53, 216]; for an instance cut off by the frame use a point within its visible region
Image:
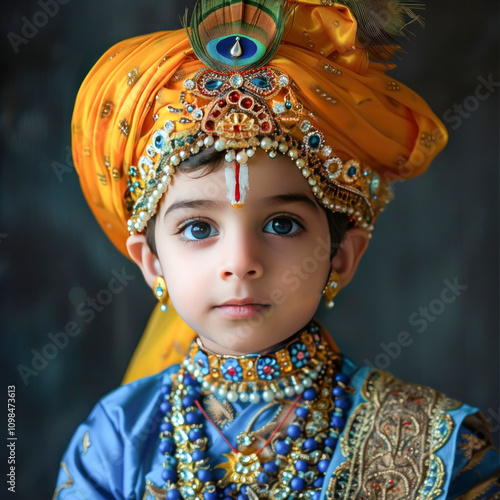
[362, 113]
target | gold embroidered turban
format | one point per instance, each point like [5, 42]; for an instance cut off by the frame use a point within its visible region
[293, 78]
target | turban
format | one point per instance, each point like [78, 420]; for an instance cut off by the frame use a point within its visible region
[366, 127]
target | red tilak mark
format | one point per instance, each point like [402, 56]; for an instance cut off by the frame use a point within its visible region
[237, 194]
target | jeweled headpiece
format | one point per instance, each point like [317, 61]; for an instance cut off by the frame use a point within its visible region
[296, 78]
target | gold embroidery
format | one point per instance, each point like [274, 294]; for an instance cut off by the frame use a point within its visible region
[102, 178]
[132, 76]
[153, 490]
[107, 109]
[472, 443]
[124, 127]
[86, 442]
[479, 490]
[221, 412]
[427, 140]
[67, 484]
[390, 442]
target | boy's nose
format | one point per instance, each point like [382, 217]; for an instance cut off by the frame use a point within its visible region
[241, 260]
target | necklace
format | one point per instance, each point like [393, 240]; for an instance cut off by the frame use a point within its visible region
[285, 372]
[301, 458]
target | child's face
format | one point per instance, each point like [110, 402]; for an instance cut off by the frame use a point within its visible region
[245, 279]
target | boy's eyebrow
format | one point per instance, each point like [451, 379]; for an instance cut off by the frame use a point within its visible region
[292, 197]
[189, 204]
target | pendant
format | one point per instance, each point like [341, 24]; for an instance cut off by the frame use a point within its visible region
[240, 469]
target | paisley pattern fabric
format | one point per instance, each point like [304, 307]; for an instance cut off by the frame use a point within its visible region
[402, 441]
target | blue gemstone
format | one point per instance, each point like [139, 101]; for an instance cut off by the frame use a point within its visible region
[193, 417]
[173, 495]
[337, 422]
[198, 455]
[323, 466]
[316, 495]
[166, 427]
[195, 434]
[190, 109]
[310, 394]
[169, 475]
[297, 484]
[310, 444]
[188, 401]
[188, 380]
[165, 407]
[263, 478]
[351, 172]
[228, 490]
[133, 172]
[338, 391]
[342, 403]
[341, 377]
[301, 466]
[167, 446]
[204, 475]
[214, 84]
[314, 141]
[318, 483]
[301, 412]
[261, 82]
[288, 105]
[270, 467]
[294, 431]
[330, 442]
[282, 448]
[210, 495]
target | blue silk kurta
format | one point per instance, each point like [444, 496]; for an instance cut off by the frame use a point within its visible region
[114, 454]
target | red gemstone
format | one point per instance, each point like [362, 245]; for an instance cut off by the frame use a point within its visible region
[210, 125]
[300, 355]
[231, 371]
[265, 127]
[237, 128]
[216, 113]
[234, 97]
[267, 370]
[222, 103]
[257, 108]
[246, 103]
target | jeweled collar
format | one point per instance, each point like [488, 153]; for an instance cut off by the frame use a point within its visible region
[287, 371]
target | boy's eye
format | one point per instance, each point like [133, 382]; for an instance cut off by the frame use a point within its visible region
[198, 231]
[282, 226]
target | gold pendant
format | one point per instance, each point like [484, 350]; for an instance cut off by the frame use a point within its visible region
[240, 469]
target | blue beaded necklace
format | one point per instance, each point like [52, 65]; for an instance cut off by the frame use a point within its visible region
[301, 458]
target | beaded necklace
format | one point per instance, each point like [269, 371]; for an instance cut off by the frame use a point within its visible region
[301, 458]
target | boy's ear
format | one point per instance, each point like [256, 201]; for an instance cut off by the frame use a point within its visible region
[142, 255]
[347, 258]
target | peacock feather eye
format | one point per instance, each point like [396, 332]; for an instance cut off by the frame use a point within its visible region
[249, 51]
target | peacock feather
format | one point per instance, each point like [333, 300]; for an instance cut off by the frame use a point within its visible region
[237, 35]
[382, 23]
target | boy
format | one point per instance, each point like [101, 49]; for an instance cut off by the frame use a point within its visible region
[263, 405]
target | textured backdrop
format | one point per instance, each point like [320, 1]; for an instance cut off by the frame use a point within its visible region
[440, 232]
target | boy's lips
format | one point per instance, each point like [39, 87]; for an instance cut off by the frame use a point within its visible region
[242, 308]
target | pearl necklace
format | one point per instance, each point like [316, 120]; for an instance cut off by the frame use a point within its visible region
[301, 458]
[286, 372]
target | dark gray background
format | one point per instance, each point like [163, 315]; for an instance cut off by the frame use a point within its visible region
[442, 226]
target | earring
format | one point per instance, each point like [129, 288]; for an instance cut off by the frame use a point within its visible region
[160, 289]
[332, 288]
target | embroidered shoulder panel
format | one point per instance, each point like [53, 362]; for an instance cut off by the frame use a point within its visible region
[390, 442]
